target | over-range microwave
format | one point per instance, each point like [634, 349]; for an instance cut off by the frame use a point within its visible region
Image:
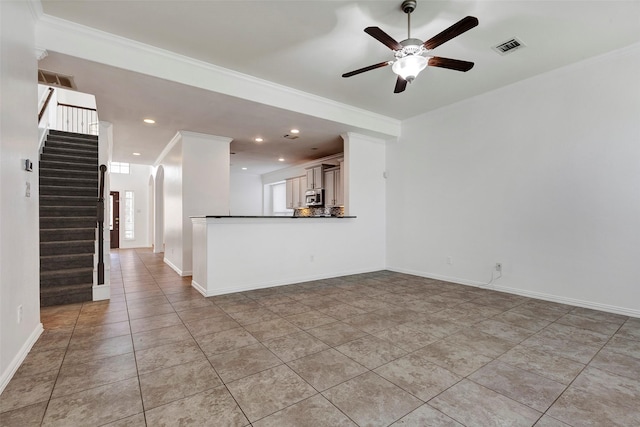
[314, 198]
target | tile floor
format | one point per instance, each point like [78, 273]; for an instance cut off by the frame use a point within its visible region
[374, 349]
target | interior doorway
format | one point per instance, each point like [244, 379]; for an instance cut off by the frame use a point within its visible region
[114, 222]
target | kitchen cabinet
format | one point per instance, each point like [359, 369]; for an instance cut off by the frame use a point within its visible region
[302, 199]
[296, 193]
[333, 188]
[296, 188]
[315, 177]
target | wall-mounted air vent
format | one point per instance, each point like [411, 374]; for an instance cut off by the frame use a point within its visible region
[509, 46]
[50, 78]
[289, 136]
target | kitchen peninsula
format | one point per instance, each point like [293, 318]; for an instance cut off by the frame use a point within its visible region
[226, 254]
[238, 253]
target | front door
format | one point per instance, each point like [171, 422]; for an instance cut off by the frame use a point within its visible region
[114, 225]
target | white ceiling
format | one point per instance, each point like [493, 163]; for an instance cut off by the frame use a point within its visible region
[307, 45]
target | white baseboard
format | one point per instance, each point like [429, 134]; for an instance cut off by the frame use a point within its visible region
[19, 358]
[531, 294]
[176, 269]
[570, 301]
[199, 288]
[101, 292]
[273, 283]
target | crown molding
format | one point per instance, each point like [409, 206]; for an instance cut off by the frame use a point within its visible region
[354, 135]
[205, 136]
[88, 43]
[35, 6]
[41, 53]
[176, 138]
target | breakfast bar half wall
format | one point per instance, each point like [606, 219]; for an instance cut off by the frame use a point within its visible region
[233, 254]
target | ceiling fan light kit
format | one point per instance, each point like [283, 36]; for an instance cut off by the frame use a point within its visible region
[412, 55]
[409, 65]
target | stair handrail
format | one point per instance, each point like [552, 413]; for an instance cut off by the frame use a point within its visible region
[103, 170]
[79, 107]
[45, 105]
[72, 118]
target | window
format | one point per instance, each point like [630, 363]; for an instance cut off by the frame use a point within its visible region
[118, 167]
[129, 213]
[110, 212]
[279, 199]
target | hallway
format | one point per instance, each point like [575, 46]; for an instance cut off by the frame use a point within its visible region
[373, 349]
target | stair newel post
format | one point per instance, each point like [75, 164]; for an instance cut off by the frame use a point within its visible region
[103, 170]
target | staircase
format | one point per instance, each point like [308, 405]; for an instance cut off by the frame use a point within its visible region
[68, 213]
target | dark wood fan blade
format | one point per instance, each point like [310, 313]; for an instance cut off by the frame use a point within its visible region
[462, 26]
[401, 85]
[383, 38]
[452, 64]
[369, 68]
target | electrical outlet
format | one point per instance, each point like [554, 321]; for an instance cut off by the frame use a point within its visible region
[27, 191]
[499, 266]
[19, 317]
[450, 260]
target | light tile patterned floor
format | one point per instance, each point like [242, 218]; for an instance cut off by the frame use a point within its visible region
[374, 349]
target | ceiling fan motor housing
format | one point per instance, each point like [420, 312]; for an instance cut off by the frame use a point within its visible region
[409, 6]
[411, 47]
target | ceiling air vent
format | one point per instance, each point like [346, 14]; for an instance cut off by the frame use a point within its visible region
[56, 79]
[509, 46]
[289, 136]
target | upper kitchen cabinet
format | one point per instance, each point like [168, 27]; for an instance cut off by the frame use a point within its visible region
[303, 190]
[296, 187]
[315, 177]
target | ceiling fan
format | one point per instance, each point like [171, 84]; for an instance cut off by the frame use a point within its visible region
[412, 55]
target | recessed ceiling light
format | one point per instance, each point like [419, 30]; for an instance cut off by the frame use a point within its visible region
[295, 131]
[244, 169]
[149, 121]
[258, 139]
[136, 154]
[281, 159]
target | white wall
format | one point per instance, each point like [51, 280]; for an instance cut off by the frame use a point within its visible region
[245, 194]
[158, 210]
[19, 264]
[138, 182]
[205, 191]
[542, 175]
[172, 165]
[196, 182]
[72, 97]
